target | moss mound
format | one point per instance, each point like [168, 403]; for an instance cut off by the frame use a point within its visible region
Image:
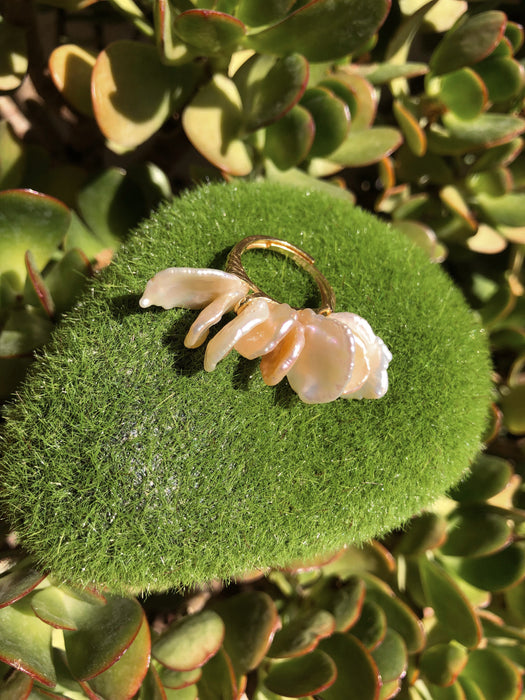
[125, 464]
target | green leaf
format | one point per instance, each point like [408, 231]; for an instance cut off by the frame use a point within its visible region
[36, 292]
[470, 689]
[29, 220]
[414, 135]
[123, 678]
[362, 148]
[442, 663]
[424, 532]
[514, 33]
[190, 642]
[60, 607]
[13, 55]
[269, 87]
[322, 30]
[80, 237]
[209, 32]
[190, 692]
[18, 582]
[111, 204]
[212, 122]
[358, 93]
[151, 688]
[452, 609]
[102, 636]
[251, 621]
[371, 557]
[508, 210]
[173, 51]
[25, 642]
[460, 136]
[399, 616]
[17, 686]
[502, 76]
[24, 331]
[462, 91]
[306, 675]
[476, 531]
[218, 681]
[298, 178]
[331, 117]
[71, 68]
[468, 42]
[391, 657]
[495, 572]
[357, 674]
[12, 157]
[256, 13]
[343, 599]
[289, 139]
[371, 627]
[488, 476]
[68, 278]
[132, 92]
[301, 634]
[450, 692]
[380, 73]
[179, 679]
[512, 403]
[497, 677]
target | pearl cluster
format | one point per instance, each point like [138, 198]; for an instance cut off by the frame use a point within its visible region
[323, 357]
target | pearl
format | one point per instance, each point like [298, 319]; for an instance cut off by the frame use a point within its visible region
[325, 365]
[211, 315]
[251, 315]
[276, 364]
[264, 337]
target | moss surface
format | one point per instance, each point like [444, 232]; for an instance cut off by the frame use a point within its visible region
[125, 464]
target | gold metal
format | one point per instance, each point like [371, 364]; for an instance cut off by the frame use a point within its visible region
[235, 267]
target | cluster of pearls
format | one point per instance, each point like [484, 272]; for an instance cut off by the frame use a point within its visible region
[323, 357]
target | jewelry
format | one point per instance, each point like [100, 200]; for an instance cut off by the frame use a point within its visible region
[323, 354]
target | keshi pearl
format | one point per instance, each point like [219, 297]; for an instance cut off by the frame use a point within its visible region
[326, 362]
[254, 313]
[362, 334]
[189, 287]
[278, 362]
[262, 339]
[211, 315]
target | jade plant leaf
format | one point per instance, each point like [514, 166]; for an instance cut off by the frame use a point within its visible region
[343, 599]
[357, 673]
[173, 51]
[488, 476]
[391, 657]
[497, 571]
[269, 87]
[372, 557]
[179, 679]
[256, 13]
[25, 642]
[424, 532]
[462, 91]
[512, 403]
[67, 279]
[151, 688]
[60, 608]
[24, 331]
[303, 676]
[29, 220]
[502, 76]
[461, 135]
[322, 30]
[468, 42]
[190, 642]
[212, 122]
[102, 636]
[477, 531]
[13, 55]
[451, 607]
[380, 73]
[123, 678]
[12, 157]
[218, 679]
[331, 117]
[371, 627]
[449, 692]
[443, 662]
[251, 620]
[36, 292]
[358, 93]
[496, 676]
[289, 139]
[508, 210]
[17, 686]
[209, 32]
[302, 634]
[366, 147]
[18, 582]
[132, 91]
[71, 67]
[414, 135]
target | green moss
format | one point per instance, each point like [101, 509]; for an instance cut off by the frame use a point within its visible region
[125, 464]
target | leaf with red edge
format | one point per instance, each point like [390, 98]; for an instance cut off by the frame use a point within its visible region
[218, 680]
[303, 676]
[251, 621]
[210, 32]
[269, 87]
[18, 582]
[368, 146]
[123, 679]
[343, 599]
[322, 30]
[36, 291]
[68, 279]
[289, 139]
[17, 686]
[331, 116]
[151, 688]
[190, 642]
[25, 642]
[70, 67]
[103, 634]
[179, 679]
[496, 676]
[357, 673]
[443, 662]
[371, 627]
[302, 634]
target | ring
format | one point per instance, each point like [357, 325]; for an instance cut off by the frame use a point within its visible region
[323, 354]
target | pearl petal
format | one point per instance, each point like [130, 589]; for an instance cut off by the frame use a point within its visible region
[211, 315]
[363, 334]
[262, 339]
[254, 313]
[326, 362]
[278, 362]
[189, 287]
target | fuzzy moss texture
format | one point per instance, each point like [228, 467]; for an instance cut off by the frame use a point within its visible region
[125, 464]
